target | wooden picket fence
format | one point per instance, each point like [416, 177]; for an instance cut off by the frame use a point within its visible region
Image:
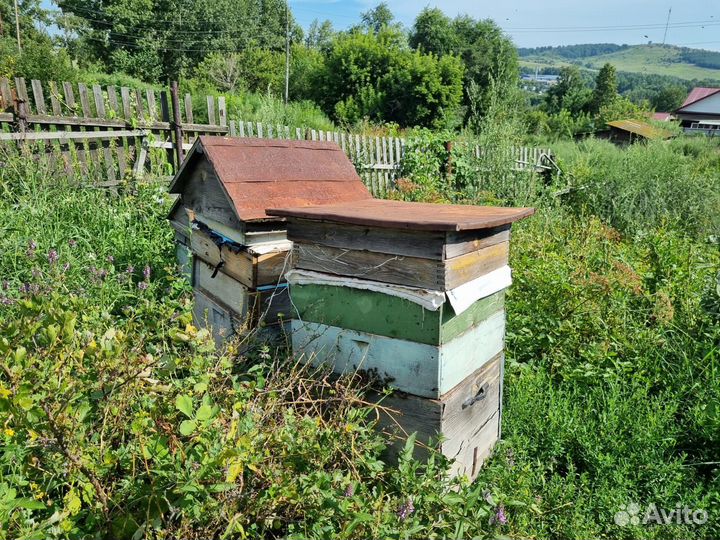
[106, 134]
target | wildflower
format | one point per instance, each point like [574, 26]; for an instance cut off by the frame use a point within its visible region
[24, 288]
[53, 256]
[4, 392]
[110, 259]
[499, 517]
[130, 269]
[9, 432]
[406, 509]
[72, 243]
[143, 285]
[5, 285]
[146, 272]
[32, 246]
[349, 490]
[66, 267]
[5, 301]
[36, 273]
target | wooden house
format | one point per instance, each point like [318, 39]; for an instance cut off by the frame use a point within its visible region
[412, 295]
[233, 252]
[700, 111]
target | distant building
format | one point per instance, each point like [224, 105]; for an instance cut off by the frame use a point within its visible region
[542, 79]
[701, 111]
[663, 116]
[629, 131]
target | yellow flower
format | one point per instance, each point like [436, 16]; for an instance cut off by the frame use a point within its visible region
[9, 432]
[4, 392]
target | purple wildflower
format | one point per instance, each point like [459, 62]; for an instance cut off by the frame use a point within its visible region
[146, 273]
[5, 285]
[5, 301]
[24, 288]
[130, 269]
[349, 490]
[36, 273]
[66, 267]
[53, 256]
[500, 517]
[72, 242]
[406, 509]
[32, 246]
[142, 285]
[102, 274]
[110, 259]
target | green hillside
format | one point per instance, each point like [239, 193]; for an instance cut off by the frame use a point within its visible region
[646, 59]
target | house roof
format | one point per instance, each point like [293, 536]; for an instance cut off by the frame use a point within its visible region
[642, 129]
[662, 116]
[262, 173]
[409, 215]
[698, 94]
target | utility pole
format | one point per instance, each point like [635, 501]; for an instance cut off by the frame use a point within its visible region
[17, 25]
[667, 24]
[287, 50]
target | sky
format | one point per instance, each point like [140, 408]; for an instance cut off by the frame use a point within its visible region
[534, 23]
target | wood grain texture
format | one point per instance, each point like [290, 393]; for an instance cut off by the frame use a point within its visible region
[250, 270]
[204, 194]
[462, 424]
[464, 268]
[462, 242]
[385, 315]
[401, 270]
[233, 294]
[416, 368]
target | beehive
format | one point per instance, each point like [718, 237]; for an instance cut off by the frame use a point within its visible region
[414, 295]
[231, 250]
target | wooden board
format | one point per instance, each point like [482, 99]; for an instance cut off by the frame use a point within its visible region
[463, 424]
[425, 244]
[416, 368]
[251, 270]
[211, 314]
[408, 271]
[385, 315]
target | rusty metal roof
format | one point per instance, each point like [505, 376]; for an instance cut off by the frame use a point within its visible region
[698, 93]
[261, 173]
[642, 129]
[409, 215]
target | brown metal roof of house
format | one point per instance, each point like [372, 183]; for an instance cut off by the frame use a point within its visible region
[261, 173]
[409, 215]
[696, 94]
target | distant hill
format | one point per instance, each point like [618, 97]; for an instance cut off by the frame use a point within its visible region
[681, 62]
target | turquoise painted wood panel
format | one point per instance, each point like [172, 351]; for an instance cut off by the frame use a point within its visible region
[416, 368]
[386, 315]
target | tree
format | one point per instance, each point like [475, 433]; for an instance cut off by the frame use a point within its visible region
[377, 18]
[433, 33]
[669, 98]
[570, 93]
[375, 76]
[606, 88]
[320, 35]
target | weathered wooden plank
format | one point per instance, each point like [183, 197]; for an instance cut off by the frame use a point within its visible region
[209, 312]
[38, 96]
[54, 98]
[126, 107]
[5, 94]
[84, 100]
[21, 90]
[425, 244]
[464, 268]
[113, 101]
[99, 101]
[152, 105]
[259, 130]
[385, 315]
[241, 125]
[416, 368]
[410, 271]
[188, 109]
[204, 194]
[233, 128]
[460, 243]
[222, 111]
[467, 417]
[110, 167]
[139, 104]
[65, 136]
[221, 286]
[211, 109]
[251, 270]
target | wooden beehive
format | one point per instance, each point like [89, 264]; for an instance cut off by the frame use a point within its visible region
[412, 294]
[231, 250]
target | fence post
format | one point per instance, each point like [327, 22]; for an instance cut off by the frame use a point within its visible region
[177, 123]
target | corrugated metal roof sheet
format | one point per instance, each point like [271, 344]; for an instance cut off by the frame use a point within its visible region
[409, 215]
[697, 94]
[641, 128]
[261, 173]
